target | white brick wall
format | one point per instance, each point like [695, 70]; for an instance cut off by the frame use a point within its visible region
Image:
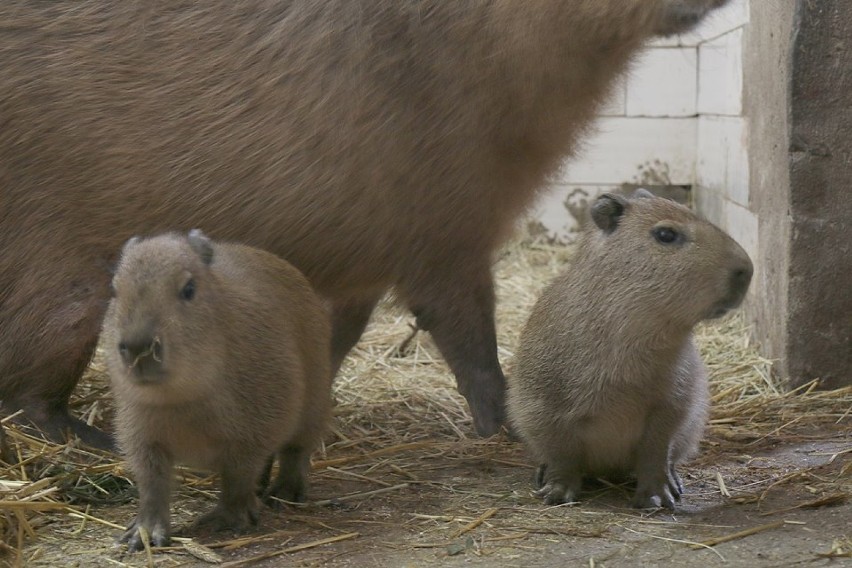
[722, 167]
[625, 146]
[722, 157]
[663, 83]
[675, 119]
[720, 75]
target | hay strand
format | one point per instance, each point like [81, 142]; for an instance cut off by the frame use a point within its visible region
[476, 522]
[827, 501]
[292, 549]
[738, 535]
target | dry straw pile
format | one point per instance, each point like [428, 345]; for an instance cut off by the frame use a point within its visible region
[403, 439]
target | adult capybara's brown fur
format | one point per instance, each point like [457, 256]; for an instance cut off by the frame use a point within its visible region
[219, 358]
[608, 379]
[372, 143]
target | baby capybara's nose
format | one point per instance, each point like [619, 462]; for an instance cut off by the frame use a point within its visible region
[741, 278]
[134, 350]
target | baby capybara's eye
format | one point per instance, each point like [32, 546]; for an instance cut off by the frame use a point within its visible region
[188, 291]
[665, 235]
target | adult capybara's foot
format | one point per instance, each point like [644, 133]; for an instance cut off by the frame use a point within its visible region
[59, 426]
[486, 403]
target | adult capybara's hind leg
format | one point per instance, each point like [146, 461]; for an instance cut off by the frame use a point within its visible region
[47, 339]
[458, 311]
[44, 400]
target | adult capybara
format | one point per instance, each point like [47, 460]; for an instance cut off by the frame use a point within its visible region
[219, 358]
[371, 143]
[608, 379]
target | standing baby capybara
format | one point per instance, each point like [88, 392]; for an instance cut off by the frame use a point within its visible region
[608, 379]
[219, 358]
[371, 143]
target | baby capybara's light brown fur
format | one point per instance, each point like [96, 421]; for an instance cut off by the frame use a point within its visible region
[371, 143]
[608, 379]
[219, 358]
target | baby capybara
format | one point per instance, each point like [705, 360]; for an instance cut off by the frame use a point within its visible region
[219, 358]
[373, 144]
[608, 379]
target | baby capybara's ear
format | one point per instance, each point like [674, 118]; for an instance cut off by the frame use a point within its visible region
[130, 243]
[607, 211]
[201, 245]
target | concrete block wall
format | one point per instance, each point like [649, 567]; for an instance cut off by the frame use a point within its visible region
[721, 189]
[676, 119]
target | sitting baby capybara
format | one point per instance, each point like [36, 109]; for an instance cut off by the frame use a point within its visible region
[219, 358]
[608, 380]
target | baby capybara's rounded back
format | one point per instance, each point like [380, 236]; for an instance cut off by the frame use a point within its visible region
[371, 143]
[219, 358]
[607, 377]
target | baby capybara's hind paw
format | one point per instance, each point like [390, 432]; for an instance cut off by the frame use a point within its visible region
[654, 497]
[556, 487]
[286, 492]
[222, 519]
[157, 534]
[555, 494]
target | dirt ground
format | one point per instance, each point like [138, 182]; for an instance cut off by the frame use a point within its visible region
[419, 523]
[410, 526]
[403, 482]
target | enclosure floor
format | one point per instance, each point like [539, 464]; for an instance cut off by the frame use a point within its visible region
[402, 481]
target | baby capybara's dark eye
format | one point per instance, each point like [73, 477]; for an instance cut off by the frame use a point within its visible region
[188, 291]
[665, 235]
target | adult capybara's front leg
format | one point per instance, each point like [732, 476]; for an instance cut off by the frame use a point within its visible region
[458, 310]
[349, 318]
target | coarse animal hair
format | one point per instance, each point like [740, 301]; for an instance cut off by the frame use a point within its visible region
[219, 358]
[608, 379]
[371, 143]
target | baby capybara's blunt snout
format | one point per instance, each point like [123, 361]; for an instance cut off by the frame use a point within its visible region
[738, 282]
[142, 354]
[741, 278]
